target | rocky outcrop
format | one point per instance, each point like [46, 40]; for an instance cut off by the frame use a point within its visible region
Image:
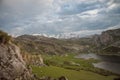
[12, 66]
[33, 59]
[108, 41]
[107, 37]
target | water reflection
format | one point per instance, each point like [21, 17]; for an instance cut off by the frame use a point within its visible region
[108, 62]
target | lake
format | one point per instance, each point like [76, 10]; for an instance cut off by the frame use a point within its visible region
[108, 62]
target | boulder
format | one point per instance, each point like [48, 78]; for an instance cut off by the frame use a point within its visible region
[63, 78]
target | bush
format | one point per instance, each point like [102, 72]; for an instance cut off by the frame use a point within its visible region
[4, 37]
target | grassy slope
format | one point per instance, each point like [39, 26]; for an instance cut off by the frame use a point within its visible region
[56, 72]
[69, 62]
[63, 66]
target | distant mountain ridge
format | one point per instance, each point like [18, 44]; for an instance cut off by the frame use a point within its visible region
[68, 35]
[48, 45]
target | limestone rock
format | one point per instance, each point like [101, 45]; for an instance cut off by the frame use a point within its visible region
[12, 66]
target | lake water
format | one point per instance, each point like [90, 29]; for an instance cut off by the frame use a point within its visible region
[108, 62]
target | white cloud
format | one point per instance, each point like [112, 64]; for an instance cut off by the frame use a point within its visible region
[58, 16]
[91, 12]
[113, 27]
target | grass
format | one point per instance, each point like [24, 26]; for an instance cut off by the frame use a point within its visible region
[69, 62]
[56, 72]
[72, 68]
[4, 37]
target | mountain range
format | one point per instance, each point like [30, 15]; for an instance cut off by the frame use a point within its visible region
[95, 43]
[15, 61]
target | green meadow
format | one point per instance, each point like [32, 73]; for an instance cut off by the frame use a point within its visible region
[56, 72]
[72, 68]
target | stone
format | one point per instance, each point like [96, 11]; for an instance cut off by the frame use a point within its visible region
[12, 66]
[63, 78]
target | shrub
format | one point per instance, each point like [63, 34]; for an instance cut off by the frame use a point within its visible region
[4, 37]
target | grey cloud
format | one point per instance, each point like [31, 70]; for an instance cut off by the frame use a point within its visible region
[49, 17]
[70, 8]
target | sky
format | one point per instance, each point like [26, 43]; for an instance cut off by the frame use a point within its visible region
[52, 17]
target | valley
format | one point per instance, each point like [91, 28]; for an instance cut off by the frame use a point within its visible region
[62, 53]
[89, 58]
[59, 39]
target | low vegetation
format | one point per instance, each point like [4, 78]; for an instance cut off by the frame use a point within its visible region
[4, 37]
[69, 62]
[56, 72]
[72, 68]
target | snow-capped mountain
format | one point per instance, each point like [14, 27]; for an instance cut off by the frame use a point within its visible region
[78, 34]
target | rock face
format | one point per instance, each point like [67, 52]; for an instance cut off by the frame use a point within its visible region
[31, 59]
[107, 37]
[12, 66]
[108, 41]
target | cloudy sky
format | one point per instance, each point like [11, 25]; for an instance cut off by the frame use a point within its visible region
[19, 17]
